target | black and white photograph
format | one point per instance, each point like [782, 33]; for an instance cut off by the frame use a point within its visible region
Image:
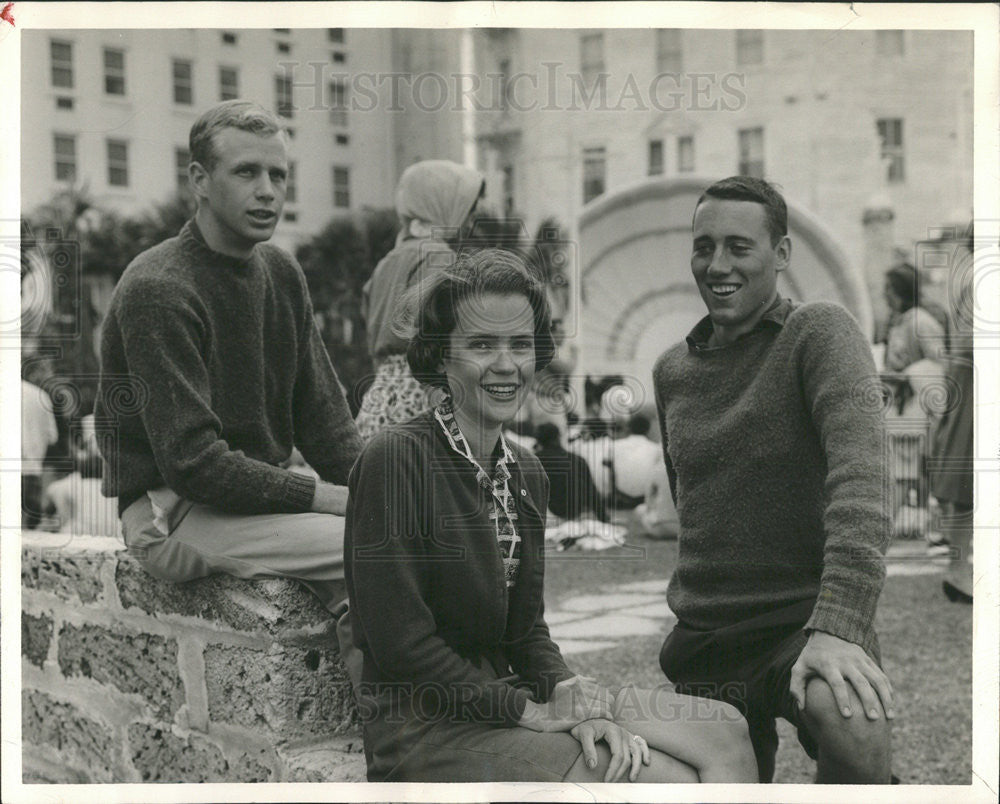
[500, 401]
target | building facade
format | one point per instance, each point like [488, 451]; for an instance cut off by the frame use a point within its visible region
[110, 111]
[854, 126]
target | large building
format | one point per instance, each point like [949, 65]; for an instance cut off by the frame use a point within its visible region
[844, 121]
[110, 110]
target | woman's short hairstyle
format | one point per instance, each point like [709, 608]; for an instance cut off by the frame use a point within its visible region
[902, 279]
[429, 309]
[240, 114]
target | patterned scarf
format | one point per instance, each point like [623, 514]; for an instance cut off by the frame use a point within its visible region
[500, 501]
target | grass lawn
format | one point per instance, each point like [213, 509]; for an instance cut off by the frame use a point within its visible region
[926, 650]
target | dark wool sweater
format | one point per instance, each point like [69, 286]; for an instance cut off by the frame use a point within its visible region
[426, 583]
[775, 450]
[228, 372]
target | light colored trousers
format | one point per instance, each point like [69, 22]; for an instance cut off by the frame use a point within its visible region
[202, 541]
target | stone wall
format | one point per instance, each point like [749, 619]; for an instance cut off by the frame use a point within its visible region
[126, 678]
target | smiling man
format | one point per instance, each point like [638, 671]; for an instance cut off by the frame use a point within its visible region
[776, 467]
[214, 329]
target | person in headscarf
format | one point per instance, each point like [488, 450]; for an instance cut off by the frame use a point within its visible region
[434, 200]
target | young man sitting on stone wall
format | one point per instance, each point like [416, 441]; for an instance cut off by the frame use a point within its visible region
[215, 330]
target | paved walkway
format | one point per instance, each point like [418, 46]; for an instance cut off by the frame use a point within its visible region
[592, 622]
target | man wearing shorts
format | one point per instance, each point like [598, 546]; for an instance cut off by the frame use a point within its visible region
[774, 450]
[212, 334]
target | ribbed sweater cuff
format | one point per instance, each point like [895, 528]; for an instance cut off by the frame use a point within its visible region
[299, 492]
[849, 617]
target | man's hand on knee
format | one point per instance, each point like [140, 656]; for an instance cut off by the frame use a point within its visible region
[839, 663]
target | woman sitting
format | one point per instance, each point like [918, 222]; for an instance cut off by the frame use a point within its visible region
[444, 561]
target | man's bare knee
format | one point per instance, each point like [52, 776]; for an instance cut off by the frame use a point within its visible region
[855, 742]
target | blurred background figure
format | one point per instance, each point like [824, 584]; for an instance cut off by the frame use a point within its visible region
[915, 333]
[434, 200]
[572, 494]
[913, 360]
[633, 461]
[656, 516]
[74, 503]
[38, 433]
[950, 460]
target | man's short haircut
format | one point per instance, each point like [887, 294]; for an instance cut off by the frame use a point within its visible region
[429, 308]
[749, 188]
[902, 279]
[240, 114]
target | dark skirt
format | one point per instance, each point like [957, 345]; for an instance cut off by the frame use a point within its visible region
[404, 745]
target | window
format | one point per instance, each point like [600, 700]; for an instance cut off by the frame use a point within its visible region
[594, 169]
[64, 147]
[591, 55]
[229, 83]
[890, 134]
[183, 83]
[669, 55]
[64, 103]
[114, 71]
[341, 187]
[228, 38]
[503, 69]
[338, 103]
[752, 152]
[342, 139]
[335, 34]
[338, 57]
[291, 191]
[61, 56]
[749, 47]
[117, 163]
[284, 47]
[283, 95]
[655, 158]
[181, 159]
[685, 154]
[508, 189]
[282, 30]
[889, 43]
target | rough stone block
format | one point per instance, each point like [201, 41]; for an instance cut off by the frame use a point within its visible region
[291, 691]
[133, 662]
[161, 756]
[72, 577]
[36, 634]
[276, 606]
[82, 744]
[337, 760]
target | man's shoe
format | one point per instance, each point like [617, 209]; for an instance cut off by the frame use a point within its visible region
[954, 594]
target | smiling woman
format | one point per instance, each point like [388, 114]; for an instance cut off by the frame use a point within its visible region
[459, 680]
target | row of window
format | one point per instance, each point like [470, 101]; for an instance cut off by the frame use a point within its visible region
[749, 46]
[64, 148]
[751, 156]
[182, 76]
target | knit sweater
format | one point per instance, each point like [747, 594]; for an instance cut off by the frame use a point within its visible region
[426, 581]
[227, 372]
[775, 449]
